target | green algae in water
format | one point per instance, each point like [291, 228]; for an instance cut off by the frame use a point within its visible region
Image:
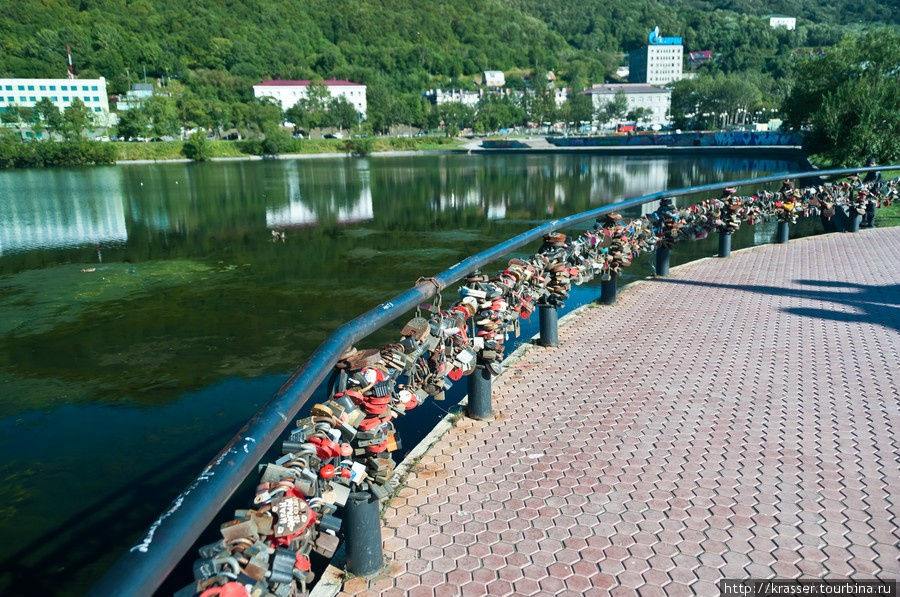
[35, 301]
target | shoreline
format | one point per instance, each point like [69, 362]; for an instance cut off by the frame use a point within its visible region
[769, 151]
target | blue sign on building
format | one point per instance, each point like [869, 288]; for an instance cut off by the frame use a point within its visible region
[656, 40]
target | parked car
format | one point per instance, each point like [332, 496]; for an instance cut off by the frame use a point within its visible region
[334, 136]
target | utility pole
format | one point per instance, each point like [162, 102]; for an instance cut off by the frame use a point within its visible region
[71, 74]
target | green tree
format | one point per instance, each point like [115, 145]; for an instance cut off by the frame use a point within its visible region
[617, 108]
[579, 108]
[52, 118]
[76, 118]
[194, 112]
[456, 116]
[341, 113]
[264, 113]
[277, 140]
[640, 114]
[133, 124]
[540, 105]
[163, 116]
[312, 111]
[497, 112]
[851, 99]
[197, 147]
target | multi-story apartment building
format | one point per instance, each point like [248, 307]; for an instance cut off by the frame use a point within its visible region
[62, 92]
[289, 92]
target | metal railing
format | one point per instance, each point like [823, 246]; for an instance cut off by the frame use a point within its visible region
[146, 565]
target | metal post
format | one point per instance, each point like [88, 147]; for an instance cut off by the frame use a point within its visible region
[608, 289]
[724, 244]
[855, 219]
[662, 261]
[781, 234]
[479, 406]
[362, 530]
[548, 322]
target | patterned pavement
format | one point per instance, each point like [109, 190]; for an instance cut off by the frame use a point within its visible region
[737, 419]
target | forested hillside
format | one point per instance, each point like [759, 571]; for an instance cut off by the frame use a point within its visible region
[217, 47]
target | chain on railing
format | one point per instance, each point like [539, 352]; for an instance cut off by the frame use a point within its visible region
[340, 456]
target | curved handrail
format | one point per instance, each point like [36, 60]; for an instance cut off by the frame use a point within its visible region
[144, 567]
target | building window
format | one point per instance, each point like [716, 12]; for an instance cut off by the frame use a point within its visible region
[53, 88]
[63, 87]
[93, 88]
[21, 88]
[9, 87]
[43, 88]
[32, 99]
[21, 98]
[10, 99]
[96, 99]
[96, 109]
[31, 88]
[65, 98]
[84, 87]
[54, 99]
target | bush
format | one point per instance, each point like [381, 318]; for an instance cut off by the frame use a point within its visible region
[197, 148]
[15, 153]
[404, 143]
[250, 146]
[360, 147]
[277, 140]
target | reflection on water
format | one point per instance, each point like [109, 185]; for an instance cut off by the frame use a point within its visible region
[101, 205]
[194, 314]
[91, 210]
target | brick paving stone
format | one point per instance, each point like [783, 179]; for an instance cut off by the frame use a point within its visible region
[738, 417]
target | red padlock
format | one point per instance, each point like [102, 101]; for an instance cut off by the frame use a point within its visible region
[327, 471]
[302, 563]
[382, 447]
[369, 423]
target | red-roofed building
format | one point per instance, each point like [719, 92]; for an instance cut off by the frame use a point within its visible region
[288, 92]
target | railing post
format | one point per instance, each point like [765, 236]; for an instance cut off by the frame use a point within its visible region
[724, 244]
[662, 261]
[548, 319]
[855, 219]
[362, 530]
[781, 234]
[666, 206]
[479, 405]
[608, 289]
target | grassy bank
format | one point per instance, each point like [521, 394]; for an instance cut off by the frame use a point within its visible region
[167, 150]
[888, 216]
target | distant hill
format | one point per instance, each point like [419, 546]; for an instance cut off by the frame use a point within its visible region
[217, 47]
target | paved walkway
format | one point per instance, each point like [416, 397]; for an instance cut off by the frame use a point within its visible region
[738, 419]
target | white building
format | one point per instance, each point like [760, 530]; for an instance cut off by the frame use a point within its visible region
[638, 95]
[658, 63]
[561, 95]
[135, 97]
[289, 92]
[444, 96]
[494, 78]
[62, 92]
[789, 23]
